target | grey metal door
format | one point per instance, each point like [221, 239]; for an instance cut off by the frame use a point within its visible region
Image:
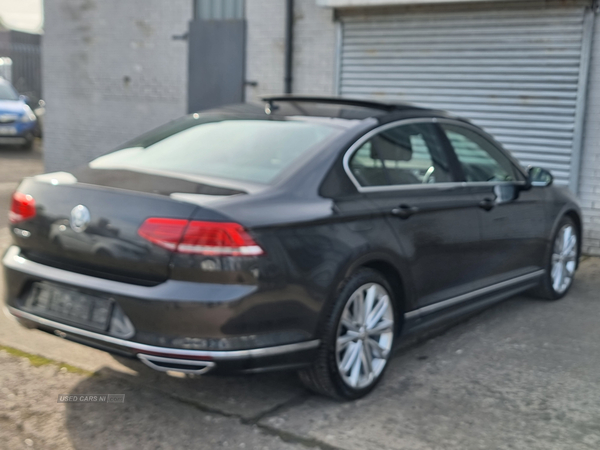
[516, 69]
[216, 63]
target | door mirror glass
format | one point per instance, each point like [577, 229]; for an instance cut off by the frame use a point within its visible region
[540, 177]
[24, 98]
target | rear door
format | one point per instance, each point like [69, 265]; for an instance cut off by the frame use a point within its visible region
[513, 224]
[407, 172]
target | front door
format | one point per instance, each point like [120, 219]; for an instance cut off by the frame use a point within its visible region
[407, 172]
[513, 225]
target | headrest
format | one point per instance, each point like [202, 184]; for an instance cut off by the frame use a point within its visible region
[392, 145]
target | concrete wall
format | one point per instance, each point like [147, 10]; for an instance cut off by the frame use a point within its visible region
[589, 180]
[111, 70]
[314, 48]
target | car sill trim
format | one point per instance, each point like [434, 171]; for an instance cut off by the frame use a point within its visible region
[429, 309]
[168, 351]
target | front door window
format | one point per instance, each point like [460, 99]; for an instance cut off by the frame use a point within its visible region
[481, 161]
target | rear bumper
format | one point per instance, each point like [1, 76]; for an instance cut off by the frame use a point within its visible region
[251, 360]
[165, 315]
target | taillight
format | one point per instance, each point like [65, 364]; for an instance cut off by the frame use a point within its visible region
[22, 208]
[165, 233]
[200, 238]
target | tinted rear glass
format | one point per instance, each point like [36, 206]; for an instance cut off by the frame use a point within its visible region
[245, 150]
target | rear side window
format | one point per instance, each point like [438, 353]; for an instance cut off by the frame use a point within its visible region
[479, 158]
[244, 150]
[403, 155]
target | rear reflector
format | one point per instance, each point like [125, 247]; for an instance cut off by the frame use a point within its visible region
[22, 208]
[200, 238]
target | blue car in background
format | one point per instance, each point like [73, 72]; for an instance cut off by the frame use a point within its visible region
[18, 122]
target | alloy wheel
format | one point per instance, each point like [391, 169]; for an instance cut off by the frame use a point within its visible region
[365, 336]
[564, 259]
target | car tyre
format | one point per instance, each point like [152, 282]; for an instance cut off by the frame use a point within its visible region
[561, 261]
[355, 346]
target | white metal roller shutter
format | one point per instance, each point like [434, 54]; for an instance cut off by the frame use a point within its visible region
[515, 73]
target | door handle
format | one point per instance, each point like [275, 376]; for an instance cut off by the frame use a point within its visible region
[405, 211]
[487, 204]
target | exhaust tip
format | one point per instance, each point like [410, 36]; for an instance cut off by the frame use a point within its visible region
[163, 364]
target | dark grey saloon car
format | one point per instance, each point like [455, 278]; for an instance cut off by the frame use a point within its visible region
[306, 234]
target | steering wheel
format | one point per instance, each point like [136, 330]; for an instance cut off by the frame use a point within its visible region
[428, 175]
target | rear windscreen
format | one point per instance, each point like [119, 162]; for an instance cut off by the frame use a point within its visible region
[245, 150]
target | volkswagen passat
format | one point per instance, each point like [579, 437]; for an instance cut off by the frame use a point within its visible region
[309, 234]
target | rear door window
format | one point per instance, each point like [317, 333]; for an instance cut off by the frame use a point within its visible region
[410, 154]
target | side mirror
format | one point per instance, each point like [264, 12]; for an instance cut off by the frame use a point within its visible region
[24, 98]
[506, 193]
[539, 177]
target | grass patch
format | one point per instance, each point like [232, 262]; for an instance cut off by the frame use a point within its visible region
[38, 361]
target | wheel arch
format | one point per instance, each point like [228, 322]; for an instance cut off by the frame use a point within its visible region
[394, 273]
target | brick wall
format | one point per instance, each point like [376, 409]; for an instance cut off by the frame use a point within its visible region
[314, 48]
[589, 181]
[111, 70]
[265, 47]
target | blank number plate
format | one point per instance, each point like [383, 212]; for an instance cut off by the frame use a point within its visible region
[70, 306]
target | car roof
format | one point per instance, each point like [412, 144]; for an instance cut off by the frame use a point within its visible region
[332, 107]
[340, 101]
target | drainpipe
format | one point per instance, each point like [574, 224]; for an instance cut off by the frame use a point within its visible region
[289, 46]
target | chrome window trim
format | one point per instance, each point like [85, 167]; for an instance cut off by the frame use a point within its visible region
[403, 187]
[136, 346]
[364, 138]
[470, 295]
